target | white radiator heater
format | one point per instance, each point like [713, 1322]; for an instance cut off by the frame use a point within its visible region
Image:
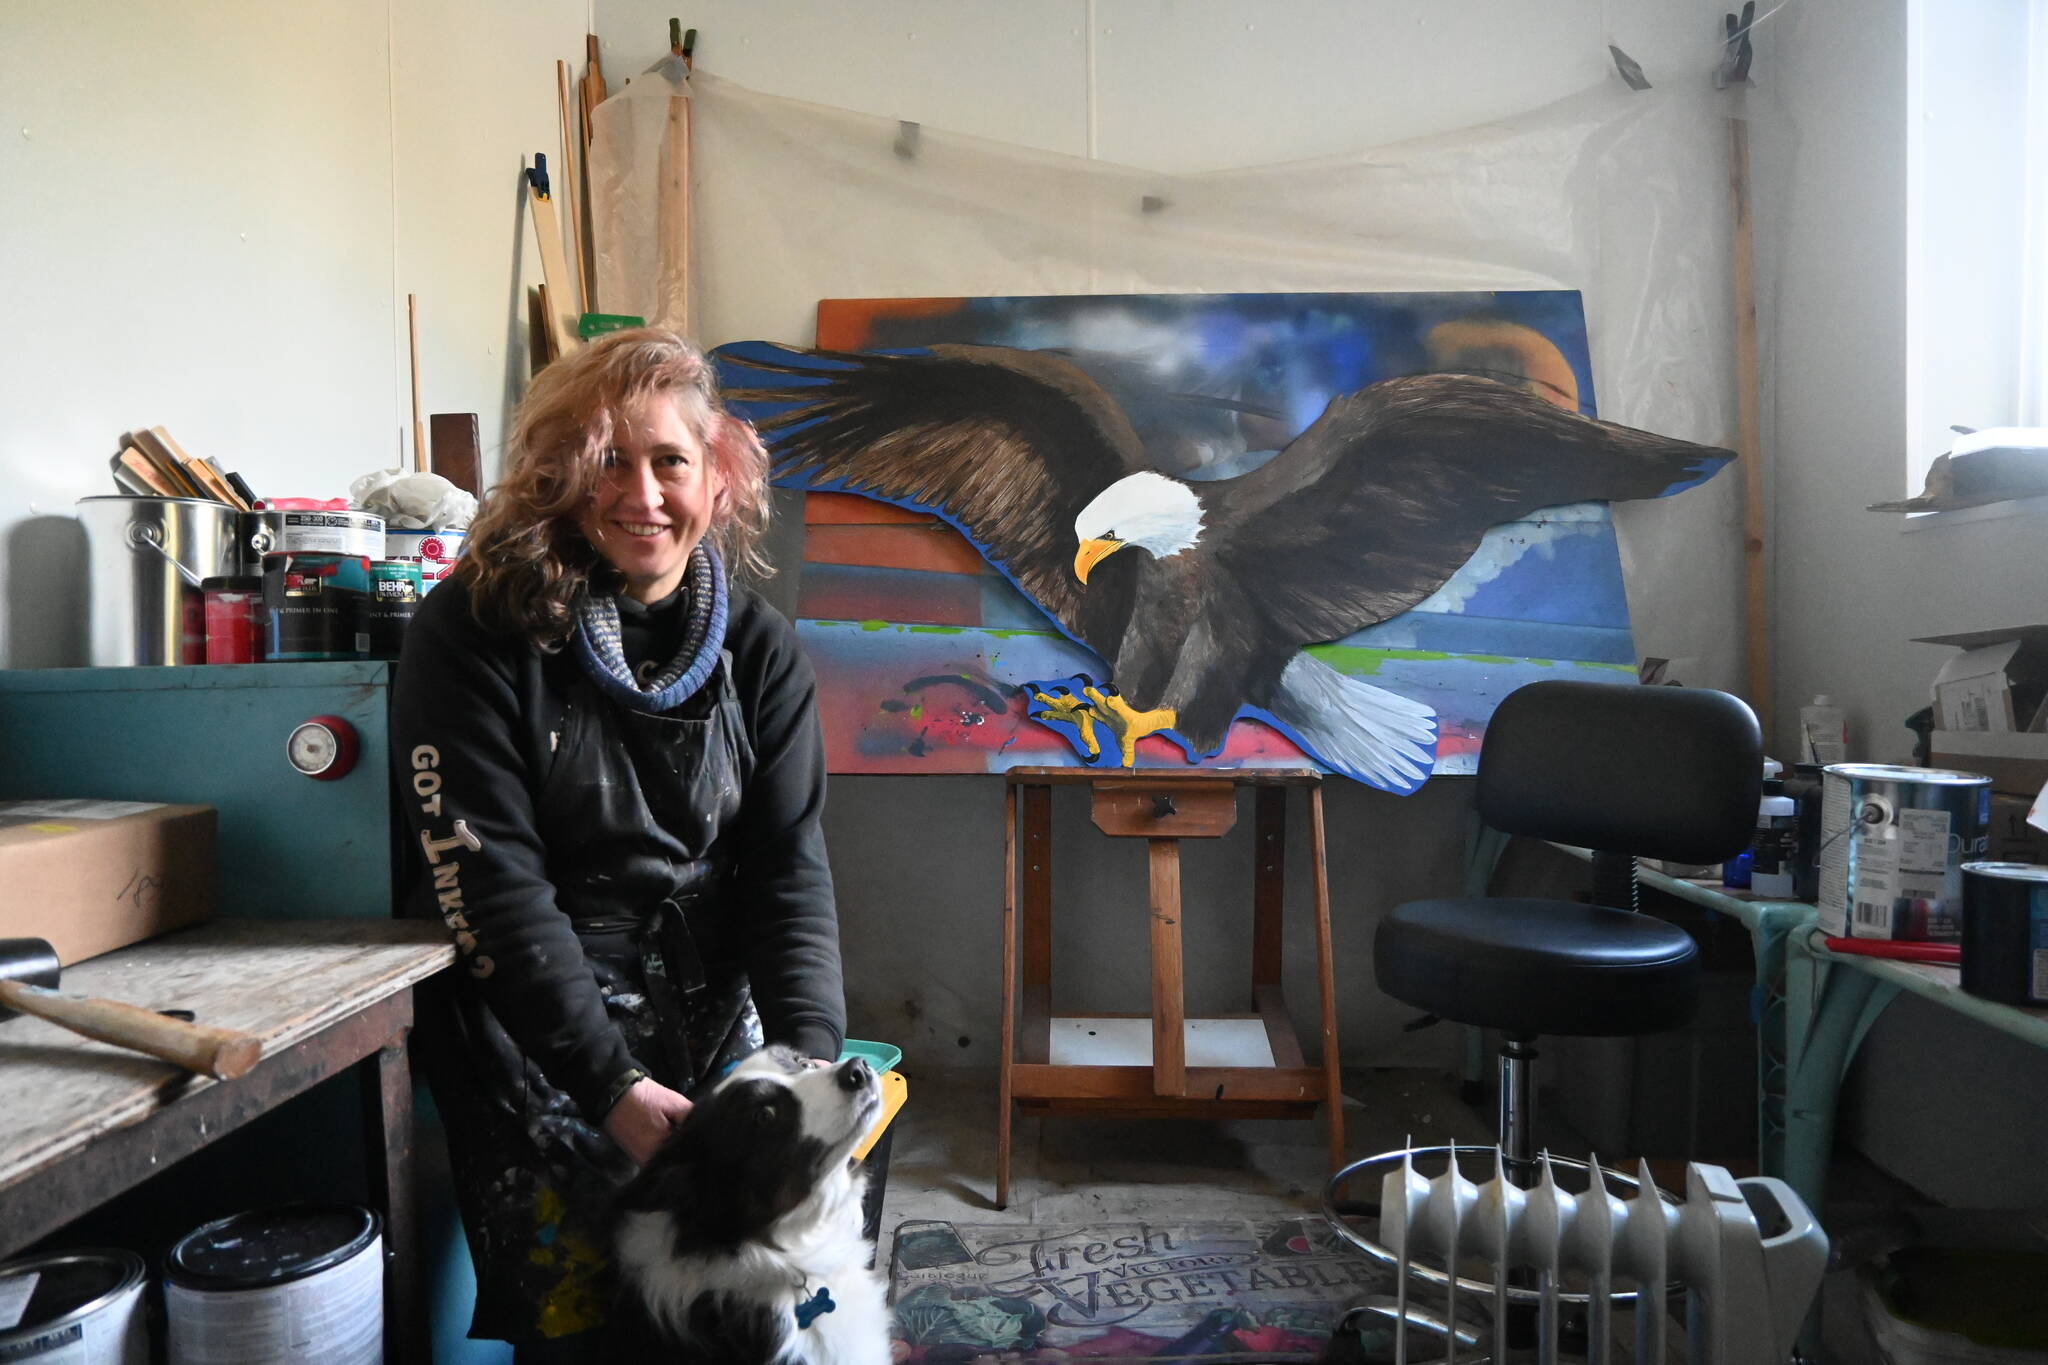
[1746, 1256]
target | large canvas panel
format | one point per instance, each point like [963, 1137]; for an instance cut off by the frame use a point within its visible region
[924, 647]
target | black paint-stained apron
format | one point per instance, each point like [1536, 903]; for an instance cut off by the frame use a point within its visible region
[630, 813]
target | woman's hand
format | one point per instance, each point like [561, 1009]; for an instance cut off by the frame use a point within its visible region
[640, 1121]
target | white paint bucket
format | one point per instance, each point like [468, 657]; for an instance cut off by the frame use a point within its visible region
[74, 1308]
[302, 1284]
[436, 551]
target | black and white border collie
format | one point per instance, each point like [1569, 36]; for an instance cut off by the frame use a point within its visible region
[740, 1242]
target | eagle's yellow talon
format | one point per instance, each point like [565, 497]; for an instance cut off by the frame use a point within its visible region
[1129, 723]
[1073, 711]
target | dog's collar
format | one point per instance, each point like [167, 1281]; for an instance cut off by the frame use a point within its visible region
[808, 1311]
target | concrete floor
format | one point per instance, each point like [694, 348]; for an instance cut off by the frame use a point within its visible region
[1079, 1170]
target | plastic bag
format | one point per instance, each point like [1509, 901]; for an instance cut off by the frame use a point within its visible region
[413, 502]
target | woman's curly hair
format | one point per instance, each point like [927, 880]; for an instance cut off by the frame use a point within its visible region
[526, 562]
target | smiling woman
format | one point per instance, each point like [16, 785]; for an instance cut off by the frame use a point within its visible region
[619, 821]
[654, 499]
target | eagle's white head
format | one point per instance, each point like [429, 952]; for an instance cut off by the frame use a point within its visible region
[1144, 509]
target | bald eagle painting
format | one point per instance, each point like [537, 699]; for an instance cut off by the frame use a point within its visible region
[1202, 540]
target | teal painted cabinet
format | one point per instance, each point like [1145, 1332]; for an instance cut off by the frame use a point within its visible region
[290, 846]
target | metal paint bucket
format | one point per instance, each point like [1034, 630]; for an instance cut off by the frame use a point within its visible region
[145, 559]
[436, 551]
[300, 1284]
[75, 1308]
[2005, 932]
[313, 606]
[1893, 844]
[284, 531]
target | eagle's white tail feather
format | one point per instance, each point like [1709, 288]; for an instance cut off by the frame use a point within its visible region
[1363, 731]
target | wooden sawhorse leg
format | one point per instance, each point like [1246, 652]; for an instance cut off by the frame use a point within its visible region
[1169, 1004]
[1269, 858]
[1027, 929]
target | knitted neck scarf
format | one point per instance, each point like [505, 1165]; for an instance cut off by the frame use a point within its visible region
[603, 657]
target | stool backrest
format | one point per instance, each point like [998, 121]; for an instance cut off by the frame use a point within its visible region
[1659, 772]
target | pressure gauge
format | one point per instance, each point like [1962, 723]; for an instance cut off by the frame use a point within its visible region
[324, 748]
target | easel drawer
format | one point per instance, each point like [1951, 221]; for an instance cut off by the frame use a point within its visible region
[1178, 809]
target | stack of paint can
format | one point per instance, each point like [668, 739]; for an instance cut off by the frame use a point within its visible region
[317, 586]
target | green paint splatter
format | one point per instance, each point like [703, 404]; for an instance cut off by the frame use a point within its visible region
[865, 625]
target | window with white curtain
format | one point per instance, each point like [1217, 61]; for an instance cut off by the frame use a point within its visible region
[1977, 220]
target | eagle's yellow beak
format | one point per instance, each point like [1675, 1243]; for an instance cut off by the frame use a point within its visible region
[1093, 552]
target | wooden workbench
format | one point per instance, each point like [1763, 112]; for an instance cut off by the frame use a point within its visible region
[81, 1121]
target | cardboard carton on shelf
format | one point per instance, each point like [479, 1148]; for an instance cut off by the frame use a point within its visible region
[2011, 839]
[93, 876]
[1991, 707]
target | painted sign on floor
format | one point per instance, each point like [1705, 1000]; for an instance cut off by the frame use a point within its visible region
[1225, 1291]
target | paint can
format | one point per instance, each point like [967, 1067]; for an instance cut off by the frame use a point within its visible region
[1893, 844]
[394, 596]
[313, 606]
[74, 1308]
[2005, 932]
[303, 1284]
[436, 551]
[234, 619]
[278, 530]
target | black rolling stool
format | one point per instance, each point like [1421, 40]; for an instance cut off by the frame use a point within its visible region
[1660, 772]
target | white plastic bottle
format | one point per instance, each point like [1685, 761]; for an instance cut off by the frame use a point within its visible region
[1823, 732]
[1775, 845]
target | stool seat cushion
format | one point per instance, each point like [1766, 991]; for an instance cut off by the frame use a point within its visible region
[1539, 966]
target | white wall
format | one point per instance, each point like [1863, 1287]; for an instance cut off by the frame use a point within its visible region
[1953, 1108]
[216, 211]
[1966, 130]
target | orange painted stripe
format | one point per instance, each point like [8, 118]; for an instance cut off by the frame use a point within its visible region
[851, 509]
[849, 324]
[939, 549]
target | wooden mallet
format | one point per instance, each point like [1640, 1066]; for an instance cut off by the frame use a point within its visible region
[28, 985]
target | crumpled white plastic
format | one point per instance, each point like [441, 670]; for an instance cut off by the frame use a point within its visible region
[413, 502]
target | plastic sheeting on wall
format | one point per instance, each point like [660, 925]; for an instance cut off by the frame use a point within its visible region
[1621, 195]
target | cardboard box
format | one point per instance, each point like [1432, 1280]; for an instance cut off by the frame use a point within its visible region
[2011, 839]
[93, 876]
[1991, 707]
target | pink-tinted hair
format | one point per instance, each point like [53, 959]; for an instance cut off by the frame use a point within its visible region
[526, 561]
